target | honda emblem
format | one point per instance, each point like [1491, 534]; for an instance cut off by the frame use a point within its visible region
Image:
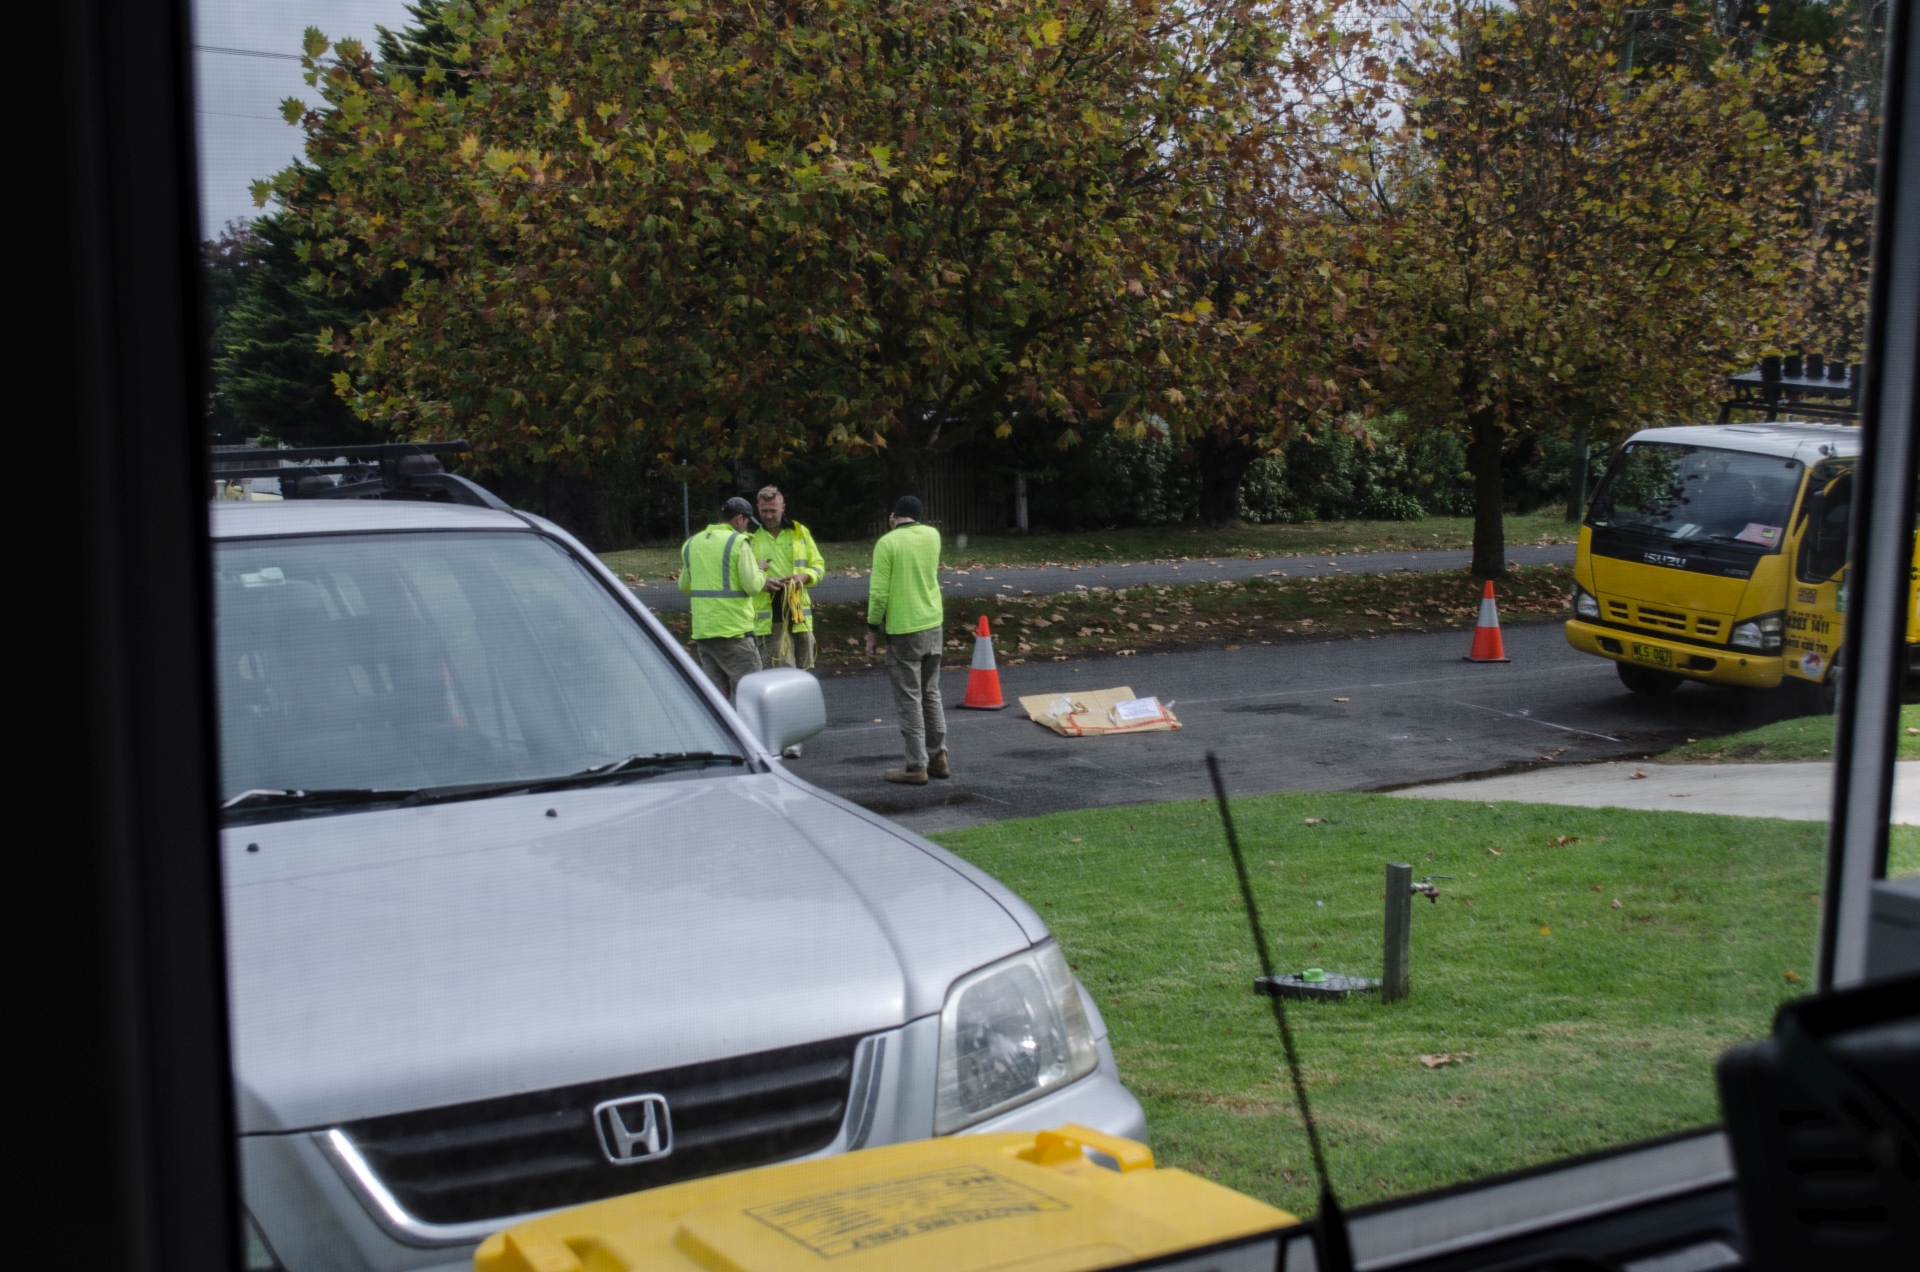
[634, 1129]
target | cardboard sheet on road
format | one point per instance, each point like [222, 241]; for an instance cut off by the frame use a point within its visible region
[1101, 712]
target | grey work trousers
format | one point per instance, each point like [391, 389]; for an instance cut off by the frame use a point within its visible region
[727, 659]
[913, 664]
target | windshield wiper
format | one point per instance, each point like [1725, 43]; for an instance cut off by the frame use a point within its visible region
[633, 766]
[640, 766]
[349, 795]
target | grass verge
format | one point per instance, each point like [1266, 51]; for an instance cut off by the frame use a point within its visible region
[1808, 738]
[1158, 543]
[1586, 966]
[1148, 619]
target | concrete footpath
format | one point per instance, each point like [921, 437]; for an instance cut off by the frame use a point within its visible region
[665, 598]
[1796, 792]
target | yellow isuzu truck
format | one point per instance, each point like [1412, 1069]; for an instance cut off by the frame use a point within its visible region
[1718, 553]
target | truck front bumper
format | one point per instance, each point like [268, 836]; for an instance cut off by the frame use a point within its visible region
[1714, 664]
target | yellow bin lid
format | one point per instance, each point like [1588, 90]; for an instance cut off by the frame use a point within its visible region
[968, 1203]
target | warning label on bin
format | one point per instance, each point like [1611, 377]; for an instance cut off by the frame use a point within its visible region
[855, 1219]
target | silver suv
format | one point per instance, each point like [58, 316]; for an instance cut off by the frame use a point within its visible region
[521, 914]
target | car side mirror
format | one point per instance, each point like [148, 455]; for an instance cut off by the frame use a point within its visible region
[783, 707]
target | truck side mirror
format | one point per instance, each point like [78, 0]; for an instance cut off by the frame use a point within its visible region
[783, 707]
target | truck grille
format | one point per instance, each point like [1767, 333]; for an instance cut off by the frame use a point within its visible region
[1652, 618]
[507, 1156]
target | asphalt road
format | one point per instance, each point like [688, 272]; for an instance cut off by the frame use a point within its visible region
[665, 598]
[1343, 715]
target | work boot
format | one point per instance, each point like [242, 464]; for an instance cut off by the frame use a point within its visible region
[938, 766]
[910, 776]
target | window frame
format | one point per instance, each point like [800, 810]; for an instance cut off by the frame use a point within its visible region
[131, 1116]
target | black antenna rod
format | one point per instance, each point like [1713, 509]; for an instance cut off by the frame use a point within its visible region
[1331, 1243]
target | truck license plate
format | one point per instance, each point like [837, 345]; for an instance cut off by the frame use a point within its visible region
[1653, 654]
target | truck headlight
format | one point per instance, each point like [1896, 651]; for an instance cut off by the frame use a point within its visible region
[1585, 604]
[1762, 633]
[1008, 1034]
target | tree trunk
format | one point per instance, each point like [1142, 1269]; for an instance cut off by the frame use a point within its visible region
[1487, 442]
[1223, 463]
[1577, 478]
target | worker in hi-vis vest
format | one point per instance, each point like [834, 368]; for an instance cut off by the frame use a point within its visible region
[903, 600]
[718, 571]
[792, 561]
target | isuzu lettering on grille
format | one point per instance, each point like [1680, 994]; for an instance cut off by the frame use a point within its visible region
[1662, 558]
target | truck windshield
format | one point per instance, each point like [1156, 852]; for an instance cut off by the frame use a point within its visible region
[408, 662]
[1698, 494]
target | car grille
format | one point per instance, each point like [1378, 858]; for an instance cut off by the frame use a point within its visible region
[507, 1156]
[1655, 619]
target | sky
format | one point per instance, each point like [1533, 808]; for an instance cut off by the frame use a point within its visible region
[238, 91]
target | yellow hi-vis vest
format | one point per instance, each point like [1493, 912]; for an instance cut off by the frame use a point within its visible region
[792, 551]
[718, 572]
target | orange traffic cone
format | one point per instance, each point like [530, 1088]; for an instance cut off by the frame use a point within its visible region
[1486, 633]
[983, 682]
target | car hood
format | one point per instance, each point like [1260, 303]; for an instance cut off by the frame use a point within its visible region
[402, 959]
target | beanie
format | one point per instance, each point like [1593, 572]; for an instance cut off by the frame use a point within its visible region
[909, 506]
[736, 507]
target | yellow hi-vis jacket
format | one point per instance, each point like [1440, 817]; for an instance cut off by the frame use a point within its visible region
[718, 571]
[792, 551]
[903, 593]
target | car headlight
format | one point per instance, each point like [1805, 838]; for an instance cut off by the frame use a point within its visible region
[1761, 633]
[1008, 1034]
[1585, 604]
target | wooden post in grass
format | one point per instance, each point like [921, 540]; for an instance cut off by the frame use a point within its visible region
[1399, 948]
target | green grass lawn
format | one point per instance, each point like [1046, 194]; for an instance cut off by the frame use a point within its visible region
[652, 562]
[1590, 963]
[1808, 738]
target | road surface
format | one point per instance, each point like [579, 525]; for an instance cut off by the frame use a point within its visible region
[1343, 715]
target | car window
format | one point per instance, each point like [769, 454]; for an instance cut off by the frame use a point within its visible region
[424, 660]
[1464, 463]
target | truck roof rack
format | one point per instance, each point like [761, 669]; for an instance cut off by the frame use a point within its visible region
[389, 470]
[1803, 384]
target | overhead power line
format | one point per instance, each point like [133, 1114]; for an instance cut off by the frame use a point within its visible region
[215, 48]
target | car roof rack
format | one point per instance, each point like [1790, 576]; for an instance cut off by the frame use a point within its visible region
[389, 470]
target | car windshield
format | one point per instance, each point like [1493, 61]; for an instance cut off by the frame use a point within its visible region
[426, 661]
[1696, 494]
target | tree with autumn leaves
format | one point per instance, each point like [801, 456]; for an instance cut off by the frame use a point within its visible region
[706, 232]
[722, 231]
[1582, 239]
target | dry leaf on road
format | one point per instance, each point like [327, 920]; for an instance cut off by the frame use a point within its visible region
[1634, 774]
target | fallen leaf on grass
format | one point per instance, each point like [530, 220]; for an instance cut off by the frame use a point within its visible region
[1913, 730]
[1441, 1059]
[1616, 904]
[1316, 821]
[1596, 887]
[1493, 850]
[1562, 841]
[1793, 976]
[1545, 930]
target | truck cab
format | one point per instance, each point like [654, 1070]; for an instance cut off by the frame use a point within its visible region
[1692, 554]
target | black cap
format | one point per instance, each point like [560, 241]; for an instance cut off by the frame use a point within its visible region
[909, 506]
[736, 507]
